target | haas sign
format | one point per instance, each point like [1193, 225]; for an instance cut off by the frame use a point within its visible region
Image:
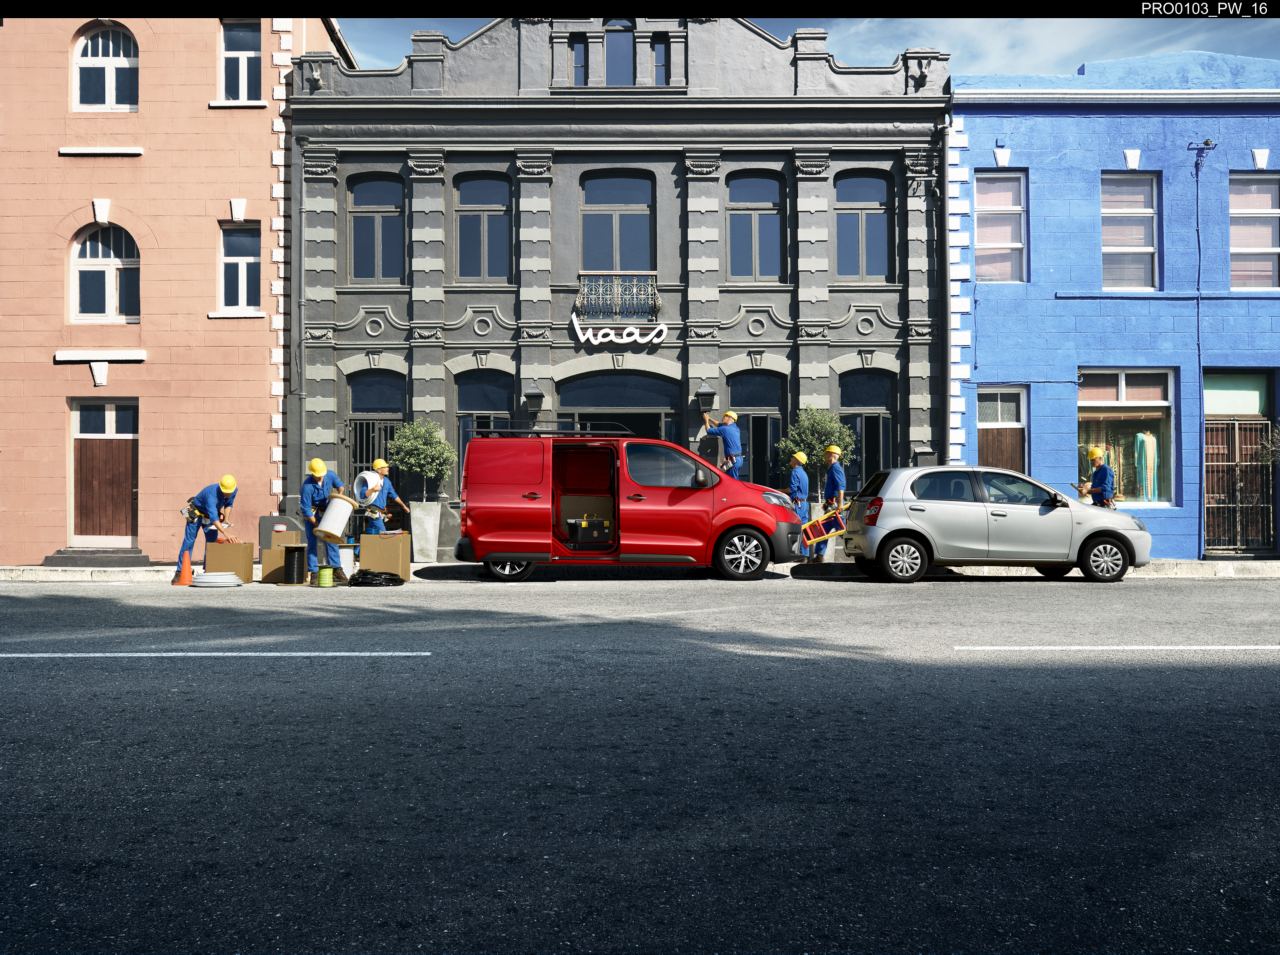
[652, 334]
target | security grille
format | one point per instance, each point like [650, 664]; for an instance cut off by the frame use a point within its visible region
[366, 440]
[1239, 487]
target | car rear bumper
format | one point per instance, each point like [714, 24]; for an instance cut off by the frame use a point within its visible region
[783, 540]
[862, 541]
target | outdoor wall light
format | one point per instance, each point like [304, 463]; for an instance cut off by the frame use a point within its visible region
[533, 396]
[706, 396]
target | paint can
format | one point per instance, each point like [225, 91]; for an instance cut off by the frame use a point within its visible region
[335, 519]
[279, 528]
[326, 576]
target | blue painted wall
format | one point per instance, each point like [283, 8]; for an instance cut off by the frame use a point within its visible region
[1038, 333]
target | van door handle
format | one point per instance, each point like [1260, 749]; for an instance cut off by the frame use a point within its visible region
[999, 514]
[635, 497]
[531, 496]
[915, 507]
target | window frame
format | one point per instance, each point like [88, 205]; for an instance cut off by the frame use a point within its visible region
[615, 210]
[888, 442]
[243, 56]
[1123, 403]
[660, 42]
[681, 455]
[376, 213]
[860, 209]
[484, 212]
[755, 209]
[110, 433]
[253, 311]
[1021, 211]
[1233, 214]
[112, 267]
[629, 29]
[109, 67]
[1153, 213]
[578, 43]
[370, 373]
[1022, 408]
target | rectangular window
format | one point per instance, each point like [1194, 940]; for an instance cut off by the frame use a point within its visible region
[242, 61]
[93, 292]
[619, 58]
[597, 242]
[1129, 230]
[578, 58]
[470, 243]
[1002, 430]
[1128, 416]
[117, 420]
[1000, 214]
[862, 228]
[661, 56]
[1255, 232]
[93, 85]
[241, 268]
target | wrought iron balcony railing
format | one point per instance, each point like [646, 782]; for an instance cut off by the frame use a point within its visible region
[618, 296]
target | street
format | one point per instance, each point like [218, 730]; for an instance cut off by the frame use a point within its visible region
[643, 761]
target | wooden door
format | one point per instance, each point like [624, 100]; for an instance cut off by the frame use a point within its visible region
[1002, 448]
[106, 502]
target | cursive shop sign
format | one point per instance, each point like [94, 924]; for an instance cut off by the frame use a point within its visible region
[651, 335]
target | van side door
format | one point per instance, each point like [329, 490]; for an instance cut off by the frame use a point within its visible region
[509, 498]
[664, 517]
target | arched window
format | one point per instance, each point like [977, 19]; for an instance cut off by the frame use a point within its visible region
[863, 233]
[486, 398]
[647, 405]
[105, 72]
[377, 231]
[379, 393]
[484, 229]
[105, 276]
[868, 405]
[755, 228]
[619, 52]
[759, 398]
[617, 223]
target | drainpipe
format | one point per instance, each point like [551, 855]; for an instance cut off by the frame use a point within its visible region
[943, 246]
[1201, 149]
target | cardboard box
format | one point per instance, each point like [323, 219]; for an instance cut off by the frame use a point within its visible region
[389, 555]
[273, 565]
[279, 539]
[237, 558]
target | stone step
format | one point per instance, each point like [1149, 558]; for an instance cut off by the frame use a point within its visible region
[98, 557]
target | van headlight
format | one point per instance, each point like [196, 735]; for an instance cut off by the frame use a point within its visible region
[771, 498]
[1138, 523]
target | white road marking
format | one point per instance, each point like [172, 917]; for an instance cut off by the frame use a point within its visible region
[224, 653]
[1132, 646]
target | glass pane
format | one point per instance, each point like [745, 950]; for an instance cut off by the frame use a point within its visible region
[499, 246]
[91, 47]
[618, 191]
[1100, 387]
[363, 253]
[1006, 228]
[651, 465]
[1259, 233]
[660, 62]
[1010, 408]
[378, 192]
[469, 247]
[1007, 489]
[231, 78]
[93, 293]
[579, 52]
[1255, 194]
[877, 225]
[634, 247]
[847, 244]
[130, 247]
[1254, 271]
[770, 244]
[988, 408]
[619, 391]
[93, 419]
[93, 85]
[997, 265]
[862, 189]
[1122, 231]
[1146, 386]
[393, 247]
[253, 284]
[755, 391]
[1136, 445]
[377, 393]
[126, 419]
[597, 243]
[996, 192]
[129, 302]
[865, 389]
[117, 242]
[230, 284]
[755, 189]
[242, 36]
[126, 86]
[1126, 271]
[253, 78]
[740, 245]
[115, 42]
[1235, 394]
[944, 486]
[1127, 192]
[486, 391]
[484, 192]
[619, 58]
[241, 243]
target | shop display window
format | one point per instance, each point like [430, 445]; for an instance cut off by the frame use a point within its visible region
[1128, 415]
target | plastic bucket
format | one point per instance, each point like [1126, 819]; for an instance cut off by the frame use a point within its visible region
[279, 528]
[325, 577]
[335, 519]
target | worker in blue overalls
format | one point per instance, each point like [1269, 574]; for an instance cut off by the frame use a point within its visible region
[320, 483]
[728, 433]
[1102, 485]
[377, 508]
[207, 511]
[832, 496]
[799, 489]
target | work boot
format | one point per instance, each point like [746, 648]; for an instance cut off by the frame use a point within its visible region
[818, 559]
[340, 576]
[176, 574]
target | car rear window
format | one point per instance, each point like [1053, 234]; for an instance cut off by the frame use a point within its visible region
[873, 485]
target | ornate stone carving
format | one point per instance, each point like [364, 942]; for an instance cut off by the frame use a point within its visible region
[702, 333]
[427, 335]
[920, 331]
[921, 163]
[319, 335]
[701, 166]
[315, 76]
[534, 165]
[426, 164]
[319, 162]
[813, 332]
[535, 333]
[812, 164]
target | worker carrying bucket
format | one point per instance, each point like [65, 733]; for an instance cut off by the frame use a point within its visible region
[728, 433]
[316, 490]
[207, 511]
[833, 500]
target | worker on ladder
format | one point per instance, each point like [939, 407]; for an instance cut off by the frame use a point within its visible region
[208, 511]
[319, 484]
[377, 508]
[832, 496]
[728, 433]
[799, 490]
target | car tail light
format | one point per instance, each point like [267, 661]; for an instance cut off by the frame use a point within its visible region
[462, 509]
[872, 513]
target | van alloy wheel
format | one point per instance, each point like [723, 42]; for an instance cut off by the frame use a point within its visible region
[742, 554]
[510, 571]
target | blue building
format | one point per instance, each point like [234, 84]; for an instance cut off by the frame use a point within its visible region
[1114, 277]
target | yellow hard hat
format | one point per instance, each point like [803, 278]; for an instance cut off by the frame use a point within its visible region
[1095, 453]
[317, 468]
[832, 449]
[730, 414]
[227, 484]
[801, 457]
[379, 463]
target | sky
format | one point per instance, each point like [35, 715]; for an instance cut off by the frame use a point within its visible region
[975, 45]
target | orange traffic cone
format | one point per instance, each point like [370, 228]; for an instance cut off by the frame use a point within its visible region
[184, 575]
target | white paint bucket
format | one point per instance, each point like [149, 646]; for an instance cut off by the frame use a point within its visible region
[335, 519]
[367, 485]
[279, 528]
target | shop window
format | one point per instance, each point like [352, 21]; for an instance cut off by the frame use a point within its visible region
[1255, 232]
[1002, 429]
[619, 52]
[868, 408]
[1000, 214]
[1129, 416]
[378, 393]
[617, 224]
[377, 232]
[755, 228]
[242, 61]
[105, 72]
[1129, 230]
[578, 58]
[241, 268]
[863, 244]
[105, 282]
[484, 230]
[661, 59]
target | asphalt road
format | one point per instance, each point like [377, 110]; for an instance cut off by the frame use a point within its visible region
[667, 762]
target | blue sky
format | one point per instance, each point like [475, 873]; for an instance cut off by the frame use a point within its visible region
[976, 45]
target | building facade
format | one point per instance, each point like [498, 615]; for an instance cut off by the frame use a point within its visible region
[1115, 240]
[592, 220]
[143, 221]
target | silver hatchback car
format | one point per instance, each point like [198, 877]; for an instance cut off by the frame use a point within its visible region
[905, 519]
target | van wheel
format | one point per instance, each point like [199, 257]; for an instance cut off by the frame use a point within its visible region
[1104, 561]
[510, 571]
[902, 560]
[1053, 573]
[742, 554]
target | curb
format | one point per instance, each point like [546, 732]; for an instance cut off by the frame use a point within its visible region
[1264, 569]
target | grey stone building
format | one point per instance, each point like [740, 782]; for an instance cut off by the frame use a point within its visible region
[586, 220]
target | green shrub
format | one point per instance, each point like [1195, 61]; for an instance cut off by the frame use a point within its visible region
[813, 432]
[420, 447]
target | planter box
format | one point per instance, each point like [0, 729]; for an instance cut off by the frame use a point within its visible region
[236, 558]
[424, 518]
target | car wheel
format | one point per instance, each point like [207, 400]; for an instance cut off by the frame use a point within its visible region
[1104, 561]
[867, 566]
[1053, 573]
[902, 560]
[510, 571]
[742, 554]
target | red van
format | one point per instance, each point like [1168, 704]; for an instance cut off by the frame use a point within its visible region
[609, 497]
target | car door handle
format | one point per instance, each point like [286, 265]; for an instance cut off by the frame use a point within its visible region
[531, 496]
[999, 513]
[635, 497]
[915, 507]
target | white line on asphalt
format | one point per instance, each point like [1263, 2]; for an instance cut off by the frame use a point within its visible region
[1151, 646]
[229, 653]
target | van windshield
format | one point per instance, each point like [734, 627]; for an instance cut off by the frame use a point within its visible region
[873, 485]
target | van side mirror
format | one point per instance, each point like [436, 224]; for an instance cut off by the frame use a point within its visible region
[700, 478]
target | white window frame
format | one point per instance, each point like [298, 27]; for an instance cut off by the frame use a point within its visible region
[240, 309]
[110, 265]
[109, 63]
[243, 56]
[1021, 211]
[1251, 214]
[1122, 403]
[1022, 408]
[110, 434]
[1152, 213]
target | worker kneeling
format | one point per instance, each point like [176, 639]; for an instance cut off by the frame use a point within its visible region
[377, 508]
[319, 484]
[208, 511]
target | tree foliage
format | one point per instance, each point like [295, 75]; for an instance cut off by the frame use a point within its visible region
[420, 447]
[813, 432]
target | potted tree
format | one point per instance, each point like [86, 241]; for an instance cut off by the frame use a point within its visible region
[420, 447]
[814, 431]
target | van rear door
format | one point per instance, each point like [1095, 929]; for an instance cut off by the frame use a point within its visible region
[509, 498]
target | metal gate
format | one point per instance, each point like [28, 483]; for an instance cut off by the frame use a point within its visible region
[366, 440]
[1239, 500]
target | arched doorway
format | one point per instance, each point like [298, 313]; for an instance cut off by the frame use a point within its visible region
[648, 405]
[759, 399]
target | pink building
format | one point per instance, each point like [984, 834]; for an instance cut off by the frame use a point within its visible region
[144, 209]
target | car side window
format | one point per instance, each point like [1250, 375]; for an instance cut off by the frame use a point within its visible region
[943, 486]
[651, 465]
[1008, 489]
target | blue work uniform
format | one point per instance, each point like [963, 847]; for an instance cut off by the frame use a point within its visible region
[206, 506]
[316, 494]
[1102, 486]
[732, 438]
[835, 484]
[799, 490]
[376, 525]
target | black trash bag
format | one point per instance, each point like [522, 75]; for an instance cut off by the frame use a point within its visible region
[375, 578]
